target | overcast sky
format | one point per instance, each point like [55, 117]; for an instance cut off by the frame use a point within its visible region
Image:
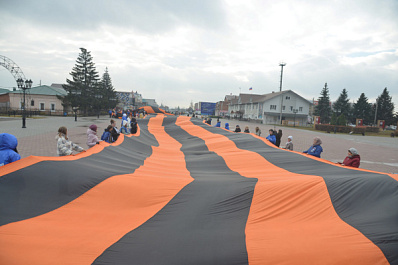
[182, 51]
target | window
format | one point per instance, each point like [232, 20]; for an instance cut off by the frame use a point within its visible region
[300, 109]
[287, 97]
[41, 106]
[32, 103]
[291, 108]
[52, 107]
[272, 107]
[283, 108]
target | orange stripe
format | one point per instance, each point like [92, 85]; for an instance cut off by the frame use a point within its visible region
[292, 219]
[80, 231]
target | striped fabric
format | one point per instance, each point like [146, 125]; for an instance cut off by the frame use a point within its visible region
[182, 192]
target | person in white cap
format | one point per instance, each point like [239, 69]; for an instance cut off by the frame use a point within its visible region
[289, 144]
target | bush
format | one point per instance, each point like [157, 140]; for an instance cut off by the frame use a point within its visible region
[345, 129]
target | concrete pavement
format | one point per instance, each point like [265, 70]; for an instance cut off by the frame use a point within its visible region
[377, 153]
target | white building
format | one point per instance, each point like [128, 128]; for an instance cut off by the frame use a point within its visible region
[267, 108]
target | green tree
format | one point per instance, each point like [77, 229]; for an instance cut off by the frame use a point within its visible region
[334, 119]
[363, 110]
[342, 105]
[341, 120]
[84, 84]
[385, 108]
[323, 108]
[107, 92]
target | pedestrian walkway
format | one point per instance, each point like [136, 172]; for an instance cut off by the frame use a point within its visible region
[38, 139]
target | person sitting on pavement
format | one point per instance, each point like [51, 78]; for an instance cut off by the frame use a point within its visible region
[271, 137]
[106, 135]
[115, 131]
[247, 129]
[218, 124]
[133, 126]
[237, 129]
[352, 160]
[227, 126]
[64, 146]
[258, 131]
[278, 137]
[124, 129]
[92, 138]
[316, 148]
[8, 149]
[289, 144]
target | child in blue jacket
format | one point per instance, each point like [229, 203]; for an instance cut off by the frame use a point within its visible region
[106, 136]
[271, 137]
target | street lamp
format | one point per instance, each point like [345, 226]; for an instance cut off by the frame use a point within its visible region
[280, 90]
[75, 111]
[24, 86]
[295, 111]
[76, 93]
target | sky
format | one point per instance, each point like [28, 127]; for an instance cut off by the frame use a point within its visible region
[179, 52]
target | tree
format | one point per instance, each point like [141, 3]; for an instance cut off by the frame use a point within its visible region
[385, 108]
[342, 105]
[84, 84]
[323, 108]
[109, 99]
[333, 121]
[341, 120]
[363, 110]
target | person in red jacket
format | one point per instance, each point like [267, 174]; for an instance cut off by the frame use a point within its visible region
[352, 160]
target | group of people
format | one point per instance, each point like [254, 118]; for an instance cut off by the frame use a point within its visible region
[111, 134]
[9, 153]
[352, 160]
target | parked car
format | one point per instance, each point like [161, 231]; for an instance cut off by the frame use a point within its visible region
[391, 127]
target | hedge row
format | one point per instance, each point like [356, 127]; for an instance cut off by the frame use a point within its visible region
[345, 129]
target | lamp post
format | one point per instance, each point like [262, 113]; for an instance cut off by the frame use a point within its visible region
[295, 111]
[377, 104]
[24, 85]
[75, 111]
[280, 90]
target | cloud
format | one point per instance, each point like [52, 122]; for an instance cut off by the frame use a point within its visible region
[178, 51]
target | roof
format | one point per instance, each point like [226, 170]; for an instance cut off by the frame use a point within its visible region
[256, 98]
[44, 90]
[4, 91]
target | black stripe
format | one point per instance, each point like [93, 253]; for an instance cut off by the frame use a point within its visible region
[48, 185]
[203, 224]
[366, 201]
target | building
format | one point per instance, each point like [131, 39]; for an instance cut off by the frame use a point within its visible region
[150, 102]
[42, 99]
[266, 108]
[222, 106]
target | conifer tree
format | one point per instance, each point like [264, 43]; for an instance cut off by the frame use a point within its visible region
[109, 100]
[385, 107]
[84, 84]
[342, 105]
[363, 110]
[323, 108]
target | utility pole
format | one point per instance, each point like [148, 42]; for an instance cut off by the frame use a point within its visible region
[377, 103]
[282, 64]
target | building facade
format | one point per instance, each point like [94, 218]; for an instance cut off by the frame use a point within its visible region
[39, 99]
[267, 108]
